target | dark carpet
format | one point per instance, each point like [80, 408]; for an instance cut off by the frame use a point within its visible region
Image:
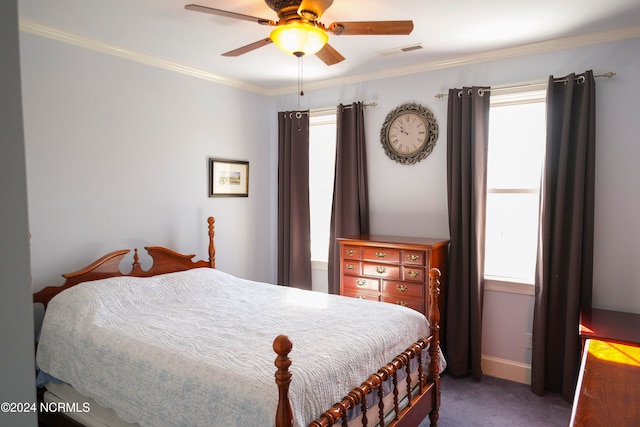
[494, 402]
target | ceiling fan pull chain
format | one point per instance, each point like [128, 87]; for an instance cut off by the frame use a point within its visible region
[300, 76]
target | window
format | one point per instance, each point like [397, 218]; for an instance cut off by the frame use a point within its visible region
[517, 127]
[322, 157]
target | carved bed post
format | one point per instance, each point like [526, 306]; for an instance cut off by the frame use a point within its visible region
[136, 267]
[282, 345]
[212, 249]
[434, 349]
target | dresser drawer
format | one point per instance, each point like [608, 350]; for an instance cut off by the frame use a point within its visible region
[381, 255]
[414, 258]
[361, 283]
[351, 252]
[414, 303]
[354, 293]
[401, 290]
[381, 270]
[413, 274]
[351, 267]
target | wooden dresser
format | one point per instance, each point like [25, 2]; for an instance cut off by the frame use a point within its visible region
[608, 386]
[393, 269]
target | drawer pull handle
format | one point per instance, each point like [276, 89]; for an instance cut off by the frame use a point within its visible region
[381, 254]
[413, 274]
[351, 252]
[351, 267]
[402, 288]
[402, 304]
[361, 297]
[413, 257]
[361, 282]
[381, 270]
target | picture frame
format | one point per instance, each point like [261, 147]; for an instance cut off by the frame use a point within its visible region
[228, 178]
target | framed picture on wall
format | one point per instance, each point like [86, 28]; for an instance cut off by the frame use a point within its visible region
[228, 178]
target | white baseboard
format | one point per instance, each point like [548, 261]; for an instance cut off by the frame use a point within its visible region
[506, 369]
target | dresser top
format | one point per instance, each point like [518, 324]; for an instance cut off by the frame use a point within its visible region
[608, 385]
[377, 239]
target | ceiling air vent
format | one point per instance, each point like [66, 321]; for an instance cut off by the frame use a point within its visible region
[400, 50]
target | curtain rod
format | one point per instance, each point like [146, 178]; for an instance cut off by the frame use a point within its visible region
[608, 74]
[333, 109]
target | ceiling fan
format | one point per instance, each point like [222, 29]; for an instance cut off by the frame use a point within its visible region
[302, 17]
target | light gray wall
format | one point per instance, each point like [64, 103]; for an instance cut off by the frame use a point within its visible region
[17, 373]
[412, 200]
[117, 158]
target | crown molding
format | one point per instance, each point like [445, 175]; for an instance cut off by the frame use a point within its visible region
[32, 27]
[29, 26]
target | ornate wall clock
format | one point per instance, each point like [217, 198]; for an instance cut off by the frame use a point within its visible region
[409, 133]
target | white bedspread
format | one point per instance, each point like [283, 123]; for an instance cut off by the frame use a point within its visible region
[195, 348]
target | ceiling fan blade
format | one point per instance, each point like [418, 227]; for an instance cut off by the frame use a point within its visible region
[227, 14]
[329, 55]
[313, 9]
[371, 28]
[248, 48]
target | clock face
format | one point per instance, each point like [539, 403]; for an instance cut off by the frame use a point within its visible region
[409, 133]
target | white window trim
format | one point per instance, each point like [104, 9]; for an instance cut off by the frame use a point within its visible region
[518, 95]
[504, 97]
[319, 265]
[513, 286]
[316, 118]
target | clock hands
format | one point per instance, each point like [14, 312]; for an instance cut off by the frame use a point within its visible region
[401, 129]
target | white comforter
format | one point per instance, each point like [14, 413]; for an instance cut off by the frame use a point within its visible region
[195, 348]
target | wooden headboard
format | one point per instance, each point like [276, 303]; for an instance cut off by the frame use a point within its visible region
[164, 261]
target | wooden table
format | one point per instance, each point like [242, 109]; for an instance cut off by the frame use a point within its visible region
[607, 325]
[608, 386]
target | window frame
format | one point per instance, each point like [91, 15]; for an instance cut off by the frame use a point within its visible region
[501, 97]
[321, 117]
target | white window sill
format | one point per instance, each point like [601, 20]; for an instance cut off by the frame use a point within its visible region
[503, 284]
[319, 265]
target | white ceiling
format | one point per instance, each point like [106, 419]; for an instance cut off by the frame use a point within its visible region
[162, 31]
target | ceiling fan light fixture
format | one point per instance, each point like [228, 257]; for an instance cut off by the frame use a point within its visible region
[299, 38]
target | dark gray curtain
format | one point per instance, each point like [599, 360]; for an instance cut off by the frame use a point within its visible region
[564, 269]
[294, 229]
[467, 142]
[350, 211]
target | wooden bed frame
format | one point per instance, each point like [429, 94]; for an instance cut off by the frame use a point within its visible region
[424, 395]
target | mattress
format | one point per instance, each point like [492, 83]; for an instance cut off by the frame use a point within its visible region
[195, 347]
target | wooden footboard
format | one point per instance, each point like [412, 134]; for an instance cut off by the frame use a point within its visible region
[422, 398]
